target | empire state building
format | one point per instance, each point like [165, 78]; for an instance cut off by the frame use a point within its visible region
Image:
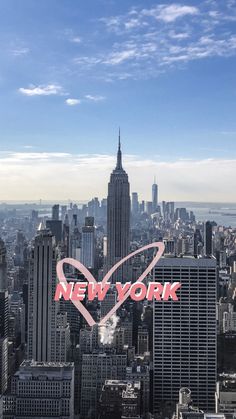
[118, 218]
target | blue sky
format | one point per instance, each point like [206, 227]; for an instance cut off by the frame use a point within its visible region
[71, 72]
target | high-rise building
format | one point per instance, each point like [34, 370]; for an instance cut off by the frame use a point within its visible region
[149, 207]
[141, 373]
[229, 319]
[42, 308]
[143, 340]
[184, 341]
[88, 243]
[197, 243]
[55, 212]
[154, 196]
[120, 399]
[3, 341]
[41, 390]
[55, 226]
[96, 369]
[63, 212]
[135, 203]
[47, 328]
[208, 238]
[3, 266]
[118, 218]
[226, 395]
[108, 302]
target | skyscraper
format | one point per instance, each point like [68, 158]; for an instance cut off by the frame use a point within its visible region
[55, 212]
[154, 195]
[184, 341]
[3, 266]
[48, 329]
[208, 239]
[3, 319]
[118, 217]
[3, 341]
[88, 243]
[42, 308]
[135, 203]
[55, 226]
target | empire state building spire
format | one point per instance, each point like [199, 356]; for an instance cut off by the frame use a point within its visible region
[119, 156]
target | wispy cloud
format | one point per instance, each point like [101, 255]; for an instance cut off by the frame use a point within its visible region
[170, 13]
[18, 52]
[76, 39]
[145, 42]
[42, 90]
[118, 57]
[72, 102]
[95, 98]
[229, 133]
[178, 35]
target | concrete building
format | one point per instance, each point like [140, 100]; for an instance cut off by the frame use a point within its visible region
[143, 340]
[225, 396]
[119, 399]
[184, 340]
[229, 319]
[41, 390]
[45, 330]
[96, 369]
[3, 341]
[154, 196]
[88, 243]
[3, 266]
[141, 373]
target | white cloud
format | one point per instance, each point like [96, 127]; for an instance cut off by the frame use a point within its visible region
[206, 180]
[120, 56]
[171, 13]
[95, 98]
[72, 102]
[147, 42]
[42, 90]
[179, 35]
[76, 40]
[17, 52]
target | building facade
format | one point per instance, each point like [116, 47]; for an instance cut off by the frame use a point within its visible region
[41, 390]
[184, 342]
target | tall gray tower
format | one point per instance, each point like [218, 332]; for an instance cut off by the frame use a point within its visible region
[3, 266]
[184, 334]
[118, 217]
[42, 308]
[154, 196]
[3, 319]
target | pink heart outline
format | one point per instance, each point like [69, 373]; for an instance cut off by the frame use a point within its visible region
[90, 278]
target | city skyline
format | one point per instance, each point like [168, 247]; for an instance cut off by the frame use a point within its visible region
[165, 73]
[117, 209]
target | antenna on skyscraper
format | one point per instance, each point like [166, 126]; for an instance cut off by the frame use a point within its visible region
[119, 155]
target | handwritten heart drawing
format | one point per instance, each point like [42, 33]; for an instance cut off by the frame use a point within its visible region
[90, 278]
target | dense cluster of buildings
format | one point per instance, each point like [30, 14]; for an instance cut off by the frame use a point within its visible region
[153, 359]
